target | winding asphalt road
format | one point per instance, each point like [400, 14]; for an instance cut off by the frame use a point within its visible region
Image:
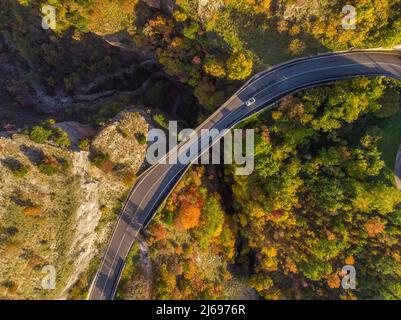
[267, 88]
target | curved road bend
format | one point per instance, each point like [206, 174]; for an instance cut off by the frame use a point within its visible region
[268, 87]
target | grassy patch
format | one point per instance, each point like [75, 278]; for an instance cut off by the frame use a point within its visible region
[390, 130]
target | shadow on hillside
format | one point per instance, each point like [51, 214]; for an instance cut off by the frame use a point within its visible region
[35, 155]
[60, 61]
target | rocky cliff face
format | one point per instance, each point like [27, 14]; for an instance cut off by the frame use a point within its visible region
[167, 6]
[207, 8]
[59, 217]
[121, 140]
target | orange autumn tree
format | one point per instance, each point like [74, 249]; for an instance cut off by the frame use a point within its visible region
[374, 226]
[33, 211]
[191, 261]
[158, 232]
[188, 217]
[189, 210]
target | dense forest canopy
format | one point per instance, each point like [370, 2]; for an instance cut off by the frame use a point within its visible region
[322, 194]
[208, 45]
[320, 198]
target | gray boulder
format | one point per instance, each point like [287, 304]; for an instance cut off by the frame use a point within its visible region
[166, 6]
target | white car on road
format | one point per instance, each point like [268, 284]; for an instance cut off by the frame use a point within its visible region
[250, 102]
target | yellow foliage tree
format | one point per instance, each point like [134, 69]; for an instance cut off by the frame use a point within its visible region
[214, 68]
[239, 66]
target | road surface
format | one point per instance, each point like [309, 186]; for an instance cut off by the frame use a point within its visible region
[268, 87]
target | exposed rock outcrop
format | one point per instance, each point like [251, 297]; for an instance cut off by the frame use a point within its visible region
[121, 140]
[167, 6]
[60, 218]
[207, 8]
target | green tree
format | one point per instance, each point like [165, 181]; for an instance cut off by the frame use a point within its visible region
[239, 66]
[39, 134]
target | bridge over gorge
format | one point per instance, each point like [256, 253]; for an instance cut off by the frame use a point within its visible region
[264, 90]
